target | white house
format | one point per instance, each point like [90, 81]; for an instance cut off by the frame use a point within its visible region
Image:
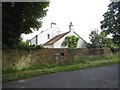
[45, 35]
[54, 40]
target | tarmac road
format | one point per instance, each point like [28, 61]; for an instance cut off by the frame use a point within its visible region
[97, 77]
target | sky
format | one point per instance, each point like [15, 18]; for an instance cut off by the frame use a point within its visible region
[85, 15]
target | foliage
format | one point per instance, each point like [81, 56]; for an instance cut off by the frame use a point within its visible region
[70, 41]
[111, 22]
[29, 47]
[23, 43]
[106, 42]
[95, 39]
[100, 40]
[20, 17]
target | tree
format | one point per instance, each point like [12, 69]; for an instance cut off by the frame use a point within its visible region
[99, 40]
[70, 41]
[111, 22]
[94, 39]
[105, 41]
[20, 17]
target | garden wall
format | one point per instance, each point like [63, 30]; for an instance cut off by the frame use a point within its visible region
[26, 58]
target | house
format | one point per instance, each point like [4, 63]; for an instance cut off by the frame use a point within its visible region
[55, 40]
[45, 35]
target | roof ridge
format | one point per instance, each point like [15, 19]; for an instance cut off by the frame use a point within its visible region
[79, 36]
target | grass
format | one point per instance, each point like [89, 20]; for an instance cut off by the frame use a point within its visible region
[10, 74]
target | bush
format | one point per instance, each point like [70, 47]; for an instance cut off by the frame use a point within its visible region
[39, 47]
[25, 45]
[115, 50]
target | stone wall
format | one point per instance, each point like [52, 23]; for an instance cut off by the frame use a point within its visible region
[26, 58]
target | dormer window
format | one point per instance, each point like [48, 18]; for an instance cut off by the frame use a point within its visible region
[48, 36]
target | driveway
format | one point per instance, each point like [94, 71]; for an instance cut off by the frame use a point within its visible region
[97, 77]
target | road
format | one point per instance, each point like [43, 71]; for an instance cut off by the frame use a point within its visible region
[97, 77]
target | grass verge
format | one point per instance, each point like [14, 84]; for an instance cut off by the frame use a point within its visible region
[81, 63]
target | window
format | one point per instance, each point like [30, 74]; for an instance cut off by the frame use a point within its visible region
[48, 36]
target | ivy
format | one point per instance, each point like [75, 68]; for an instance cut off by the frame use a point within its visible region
[70, 41]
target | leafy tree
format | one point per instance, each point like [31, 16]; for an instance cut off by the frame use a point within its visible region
[106, 42]
[100, 40]
[111, 22]
[70, 41]
[94, 39]
[20, 17]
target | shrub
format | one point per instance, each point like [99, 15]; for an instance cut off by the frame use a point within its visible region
[26, 46]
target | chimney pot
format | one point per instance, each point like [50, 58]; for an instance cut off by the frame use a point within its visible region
[71, 26]
[70, 23]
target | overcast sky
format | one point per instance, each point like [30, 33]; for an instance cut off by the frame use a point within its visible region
[84, 14]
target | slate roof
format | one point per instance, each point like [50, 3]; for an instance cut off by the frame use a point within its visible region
[56, 38]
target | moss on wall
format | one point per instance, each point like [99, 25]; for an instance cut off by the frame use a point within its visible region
[26, 58]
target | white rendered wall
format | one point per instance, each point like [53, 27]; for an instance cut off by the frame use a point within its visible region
[54, 31]
[48, 46]
[43, 36]
[59, 42]
[81, 43]
[33, 41]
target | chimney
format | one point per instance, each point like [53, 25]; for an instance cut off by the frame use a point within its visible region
[71, 26]
[53, 24]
